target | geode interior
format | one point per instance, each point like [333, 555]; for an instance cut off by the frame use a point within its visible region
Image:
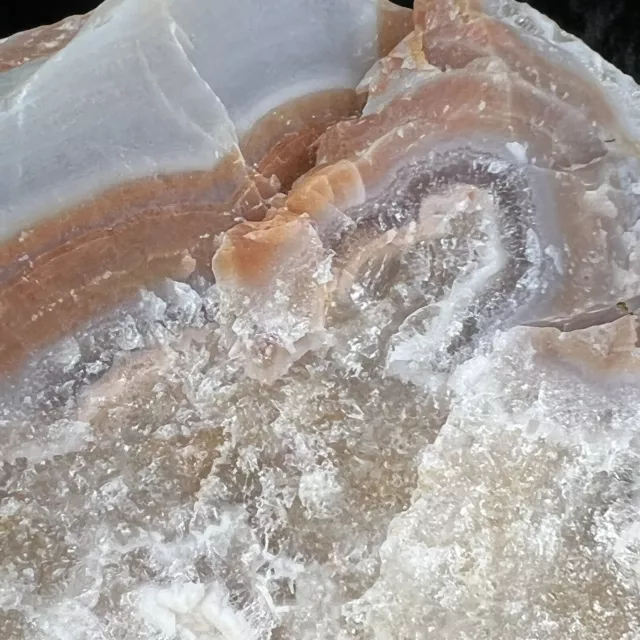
[318, 321]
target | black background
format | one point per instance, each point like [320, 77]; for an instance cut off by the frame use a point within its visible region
[608, 26]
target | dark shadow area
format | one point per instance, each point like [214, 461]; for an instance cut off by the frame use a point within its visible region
[608, 26]
[16, 15]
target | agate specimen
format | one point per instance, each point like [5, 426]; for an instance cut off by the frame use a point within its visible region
[318, 320]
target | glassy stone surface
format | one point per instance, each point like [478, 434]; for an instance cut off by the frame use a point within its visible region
[318, 321]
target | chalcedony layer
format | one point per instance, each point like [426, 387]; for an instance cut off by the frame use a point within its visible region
[325, 326]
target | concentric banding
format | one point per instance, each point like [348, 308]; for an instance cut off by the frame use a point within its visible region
[487, 191]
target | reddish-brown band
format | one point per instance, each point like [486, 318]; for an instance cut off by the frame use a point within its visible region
[82, 262]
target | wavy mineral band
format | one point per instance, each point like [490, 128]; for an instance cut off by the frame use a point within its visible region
[127, 177]
[491, 145]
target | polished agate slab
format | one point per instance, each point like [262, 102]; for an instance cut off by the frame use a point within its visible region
[318, 320]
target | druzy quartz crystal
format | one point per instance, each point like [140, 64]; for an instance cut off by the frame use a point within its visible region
[318, 321]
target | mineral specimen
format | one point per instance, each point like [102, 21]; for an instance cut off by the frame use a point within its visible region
[318, 320]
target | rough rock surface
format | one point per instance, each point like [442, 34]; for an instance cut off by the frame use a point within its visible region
[374, 376]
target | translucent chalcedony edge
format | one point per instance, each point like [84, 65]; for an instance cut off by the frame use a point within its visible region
[621, 89]
[136, 129]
